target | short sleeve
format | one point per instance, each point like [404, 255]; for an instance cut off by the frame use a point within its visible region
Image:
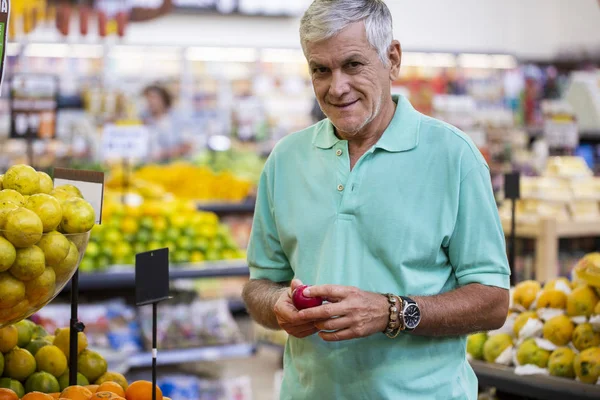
[266, 257]
[477, 248]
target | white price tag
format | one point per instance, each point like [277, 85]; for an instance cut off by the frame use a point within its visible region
[131, 142]
[561, 134]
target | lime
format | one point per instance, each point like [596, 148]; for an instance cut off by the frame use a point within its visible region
[47, 208]
[55, 246]
[12, 291]
[78, 216]
[29, 263]
[36, 344]
[46, 184]
[19, 364]
[155, 245]
[23, 227]
[147, 223]
[1, 364]
[139, 247]
[196, 257]
[39, 332]
[13, 385]
[22, 178]
[87, 265]
[184, 243]
[42, 382]
[92, 250]
[213, 255]
[9, 337]
[181, 257]
[69, 263]
[63, 380]
[144, 236]
[158, 236]
[6, 206]
[91, 365]
[8, 254]
[201, 244]
[172, 234]
[25, 329]
[112, 235]
[71, 189]
[103, 262]
[113, 377]
[40, 289]
[51, 359]
[122, 250]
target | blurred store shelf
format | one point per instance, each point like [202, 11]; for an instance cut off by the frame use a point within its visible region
[247, 207]
[532, 386]
[200, 354]
[123, 277]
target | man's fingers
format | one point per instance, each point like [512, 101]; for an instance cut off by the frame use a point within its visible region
[323, 312]
[332, 293]
[305, 333]
[334, 324]
[295, 283]
[344, 334]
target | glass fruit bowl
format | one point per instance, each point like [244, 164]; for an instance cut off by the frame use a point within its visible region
[34, 269]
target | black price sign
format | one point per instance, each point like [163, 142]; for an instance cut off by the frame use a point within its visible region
[152, 277]
[33, 106]
[4, 14]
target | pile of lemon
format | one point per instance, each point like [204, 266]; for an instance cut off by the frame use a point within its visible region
[43, 231]
[554, 328]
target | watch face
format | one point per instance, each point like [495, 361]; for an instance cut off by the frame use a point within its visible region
[412, 316]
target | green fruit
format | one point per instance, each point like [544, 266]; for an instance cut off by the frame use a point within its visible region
[475, 345]
[13, 385]
[530, 353]
[584, 337]
[495, 345]
[8, 254]
[42, 382]
[561, 363]
[19, 364]
[36, 344]
[1, 364]
[63, 380]
[25, 329]
[39, 332]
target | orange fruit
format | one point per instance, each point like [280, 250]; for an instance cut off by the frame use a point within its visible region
[7, 394]
[55, 395]
[112, 387]
[113, 377]
[92, 388]
[76, 393]
[106, 395]
[37, 396]
[142, 390]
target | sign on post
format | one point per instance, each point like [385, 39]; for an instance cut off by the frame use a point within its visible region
[125, 142]
[33, 106]
[4, 15]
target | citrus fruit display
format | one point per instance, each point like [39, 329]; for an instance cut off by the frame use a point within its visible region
[8, 394]
[192, 236]
[43, 235]
[141, 390]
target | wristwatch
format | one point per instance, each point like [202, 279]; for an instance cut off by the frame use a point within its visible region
[410, 314]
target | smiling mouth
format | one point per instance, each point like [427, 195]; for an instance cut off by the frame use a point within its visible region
[344, 105]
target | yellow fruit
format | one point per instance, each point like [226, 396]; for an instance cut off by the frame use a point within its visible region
[9, 336]
[525, 293]
[76, 393]
[55, 247]
[113, 377]
[587, 365]
[63, 380]
[582, 301]
[51, 359]
[12, 291]
[584, 337]
[13, 196]
[46, 183]
[69, 263]
[561, 363]
[78, 216]
[530, 353]
[41, 289]
[8, 254]
[21, 310]
[495, 345]
[6, 207]
[475, 343]
[91, 365]
[13, 385]
[61, 195]
[19, 364]
[522, 319]
[22, 178]
[71, 189]
[552, 298]
[597, 309]
[559, 330]
[47, 208]
[551, 284]
[62, 341]
[43, 382]
[23, 228]
[588, 269]
[29, 263]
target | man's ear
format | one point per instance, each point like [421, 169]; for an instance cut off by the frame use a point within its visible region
[395, 58]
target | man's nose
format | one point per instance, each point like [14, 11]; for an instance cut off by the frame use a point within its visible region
[339, 84]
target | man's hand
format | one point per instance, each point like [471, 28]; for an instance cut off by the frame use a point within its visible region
[351, 313]
[288, 317]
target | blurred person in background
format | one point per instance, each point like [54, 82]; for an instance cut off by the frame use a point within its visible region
[389, 215]
[167, 132]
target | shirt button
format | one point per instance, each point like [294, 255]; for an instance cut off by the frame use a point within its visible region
[340, 187]
[338, 152]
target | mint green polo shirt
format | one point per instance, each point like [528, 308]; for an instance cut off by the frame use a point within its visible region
[416, 216]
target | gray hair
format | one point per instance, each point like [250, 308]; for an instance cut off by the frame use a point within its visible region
[326, 18]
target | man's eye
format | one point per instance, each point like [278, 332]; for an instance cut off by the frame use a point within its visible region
[354, 64]
[319, 70]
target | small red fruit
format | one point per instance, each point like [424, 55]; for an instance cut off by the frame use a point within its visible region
[301, 301]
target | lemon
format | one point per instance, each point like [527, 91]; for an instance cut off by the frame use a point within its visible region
[46, 184]
[47, 208]
[12, 291]
[42, 382]
[60, 195]
[40, 289]
[51, 359]
[91, 365]
[9, 337]
[8, 254]
[69, 263]
[72, 190]
[6, 206]
[29, 263]
[23, 227]
[22, 178]
[62, 340]
[582, 301]
[19, 364]
[25, 328]
[78, 216]
[113, 377]
[55, 247]
[13, 385]
[63, 380]
[12, 196]
[587, 365]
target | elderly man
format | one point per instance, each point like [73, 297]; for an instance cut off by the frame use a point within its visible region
[389, 214]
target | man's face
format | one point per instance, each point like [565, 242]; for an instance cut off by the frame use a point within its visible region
[349, 79]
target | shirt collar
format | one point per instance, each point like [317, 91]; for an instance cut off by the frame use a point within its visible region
[402, 134]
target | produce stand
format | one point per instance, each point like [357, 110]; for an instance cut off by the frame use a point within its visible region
[532, 386]
[546, 234]
[201, 354]
[246, 207]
